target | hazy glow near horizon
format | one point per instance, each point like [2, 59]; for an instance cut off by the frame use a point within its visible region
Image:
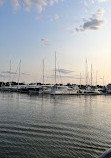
[32, 30]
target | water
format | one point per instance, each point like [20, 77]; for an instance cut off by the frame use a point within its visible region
[54, 127]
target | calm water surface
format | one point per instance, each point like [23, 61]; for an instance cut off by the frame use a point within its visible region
[54, 127]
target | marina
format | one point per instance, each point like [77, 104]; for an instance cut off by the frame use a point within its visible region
[55, 88]
[58, 89]
[55, 79]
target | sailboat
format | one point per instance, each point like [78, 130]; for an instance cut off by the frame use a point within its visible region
[90, 89]
[45, 89]
[33, 88]
[21, 88]
[5, 87]
[62, 89]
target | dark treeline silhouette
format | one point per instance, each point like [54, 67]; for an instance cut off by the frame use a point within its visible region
[39, 83]
[10, 83]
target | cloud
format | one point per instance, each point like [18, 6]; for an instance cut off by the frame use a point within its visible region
[70, 29]
[64, 71]
[100, 1]
[56, 17]
[45, 41]
[99, 14]
[66, 76]
[39, 4]
[59, 76]
[51, 2]
[88, 3]
[13, 73]
[15, 3]
[23, 73]
[92, 1]
[93, 23]
[86, 6]
[8, 72]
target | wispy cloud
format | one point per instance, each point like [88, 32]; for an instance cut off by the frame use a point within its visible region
[64, 71]
[51, 2]
[71, 30]
[99, 14]
[39, 4]
[87, 3]
[12, 73]
[23, 73]
[60, 76]
[15, 3]
[100, 1]
[65, 76]
[8, 72]
[86, 6]
[93, 23]
[45, 41]
[56, 17]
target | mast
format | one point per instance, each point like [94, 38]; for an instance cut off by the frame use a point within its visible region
[103, 80]
[91, 74]
[80, 79]
[43, 71]
[19, 72]
[96, 77]
[55, 68]
[86, 73]
[10, 75]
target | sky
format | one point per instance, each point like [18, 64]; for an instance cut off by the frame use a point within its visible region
[33, 30]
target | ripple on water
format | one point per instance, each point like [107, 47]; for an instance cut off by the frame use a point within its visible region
[36, 137]
[65, 139]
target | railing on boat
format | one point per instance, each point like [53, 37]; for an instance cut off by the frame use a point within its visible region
[106, 154]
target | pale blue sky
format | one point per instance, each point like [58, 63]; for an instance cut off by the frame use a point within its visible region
[75, 29]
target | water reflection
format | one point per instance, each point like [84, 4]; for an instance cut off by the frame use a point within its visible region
[54, 126]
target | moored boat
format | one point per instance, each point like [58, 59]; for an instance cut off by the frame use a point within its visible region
[22, 89]
[33, 89]
[63, 90]
[45, 89]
